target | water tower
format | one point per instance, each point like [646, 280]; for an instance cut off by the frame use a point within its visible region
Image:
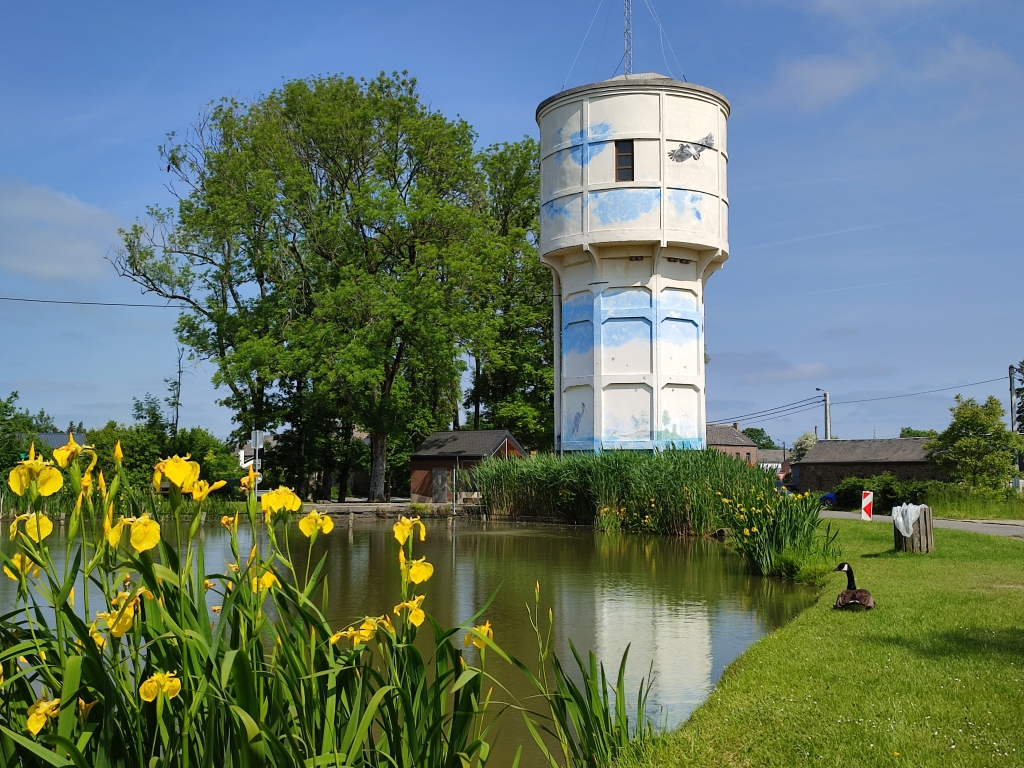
[634, 220]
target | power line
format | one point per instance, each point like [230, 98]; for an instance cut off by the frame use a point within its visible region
[810, 407]
[582, 44]
[89, 303]
[815, 399]
[915, 394]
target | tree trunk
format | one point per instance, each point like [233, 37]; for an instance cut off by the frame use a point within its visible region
[476, 393]
[378, 456]
[326, 476]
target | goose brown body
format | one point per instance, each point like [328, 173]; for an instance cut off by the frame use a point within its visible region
[851, 597]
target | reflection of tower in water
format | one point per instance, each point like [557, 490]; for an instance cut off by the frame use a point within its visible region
[634, 220]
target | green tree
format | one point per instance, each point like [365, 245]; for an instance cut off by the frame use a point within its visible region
[17, 428]
[911, 432]
[513, 376]
[760, 437]
[976, 449]
[801, 446]
[323, 242]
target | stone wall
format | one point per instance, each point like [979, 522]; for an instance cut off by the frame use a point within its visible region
[825, 477]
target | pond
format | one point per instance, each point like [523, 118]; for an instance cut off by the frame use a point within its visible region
[688, 607]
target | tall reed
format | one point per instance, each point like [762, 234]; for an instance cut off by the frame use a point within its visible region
[163, 663]
[673, 492]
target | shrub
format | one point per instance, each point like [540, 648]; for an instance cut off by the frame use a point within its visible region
[889, 491]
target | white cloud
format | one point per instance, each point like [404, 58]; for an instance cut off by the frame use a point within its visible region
[766, 367]
[51, 235]
[819, 81]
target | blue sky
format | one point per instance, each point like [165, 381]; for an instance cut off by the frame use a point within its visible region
[876, 166]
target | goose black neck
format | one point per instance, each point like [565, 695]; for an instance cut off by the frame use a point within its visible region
[850, 583]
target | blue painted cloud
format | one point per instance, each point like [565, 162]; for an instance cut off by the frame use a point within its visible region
[586, 145]
[619, 206]
[559, 209]
[686, 204]
[621, 331]
[578, 338]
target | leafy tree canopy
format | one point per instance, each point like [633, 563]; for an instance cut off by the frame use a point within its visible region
[911, 432]
[760, 437]
[17, 428]
[801, 446]
[334, 244]
[976, 449]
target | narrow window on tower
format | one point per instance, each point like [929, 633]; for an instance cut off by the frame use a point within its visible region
[623, 160]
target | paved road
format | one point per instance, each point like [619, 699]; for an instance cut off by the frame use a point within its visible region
[994, 527]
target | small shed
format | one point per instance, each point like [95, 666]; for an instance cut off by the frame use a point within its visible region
[728, 439]
[829, 462]
[437, 458]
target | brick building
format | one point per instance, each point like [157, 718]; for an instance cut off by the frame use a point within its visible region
[728, 439]
[830, 461]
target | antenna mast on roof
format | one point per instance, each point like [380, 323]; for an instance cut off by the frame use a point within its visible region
[628, 56]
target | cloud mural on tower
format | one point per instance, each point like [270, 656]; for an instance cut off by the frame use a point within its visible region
[615, 207]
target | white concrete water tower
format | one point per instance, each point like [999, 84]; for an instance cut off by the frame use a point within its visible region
[634, 220]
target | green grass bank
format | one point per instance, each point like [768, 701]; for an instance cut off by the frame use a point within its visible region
[933, 677]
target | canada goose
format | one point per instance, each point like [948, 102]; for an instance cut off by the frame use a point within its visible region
[851, 597]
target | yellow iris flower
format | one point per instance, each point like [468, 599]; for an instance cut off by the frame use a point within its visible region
[364, 632]
[97, 638]
[102, 485]
[416, 614]
[67, 452]
[249, 481]
[48, 479]
[229, 522]
[162, 682]
[265, 582]
[118, 621]
[37, 526]
[281, 498]
[23, 565]
[420, 570]
[179, 471]
[405, 526]
[118, 453]
[315, 521]
[201, 489]
[485, 630]
[41, 712]
[145, 533]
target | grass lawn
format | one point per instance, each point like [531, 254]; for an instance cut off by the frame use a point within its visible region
[933, 677]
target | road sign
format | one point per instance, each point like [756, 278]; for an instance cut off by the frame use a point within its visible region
[867, 502]
[259, 464]
[257, 438]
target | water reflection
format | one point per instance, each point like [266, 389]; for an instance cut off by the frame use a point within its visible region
[687, 606]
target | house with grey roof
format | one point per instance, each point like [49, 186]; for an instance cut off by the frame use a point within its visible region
[829, 462]
[728, 439]
[440, 455]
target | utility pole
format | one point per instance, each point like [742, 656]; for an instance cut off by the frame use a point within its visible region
[1013, 399]
[628, 56]
[828, 413]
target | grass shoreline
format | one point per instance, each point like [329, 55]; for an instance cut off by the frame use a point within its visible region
[933, 677]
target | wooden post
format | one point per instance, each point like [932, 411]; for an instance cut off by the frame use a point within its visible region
[923, 537]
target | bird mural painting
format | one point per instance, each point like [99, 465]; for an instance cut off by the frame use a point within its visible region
[577, 419]
[851, 597]
[689, 149]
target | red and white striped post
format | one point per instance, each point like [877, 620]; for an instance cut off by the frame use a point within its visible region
[867, 502]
